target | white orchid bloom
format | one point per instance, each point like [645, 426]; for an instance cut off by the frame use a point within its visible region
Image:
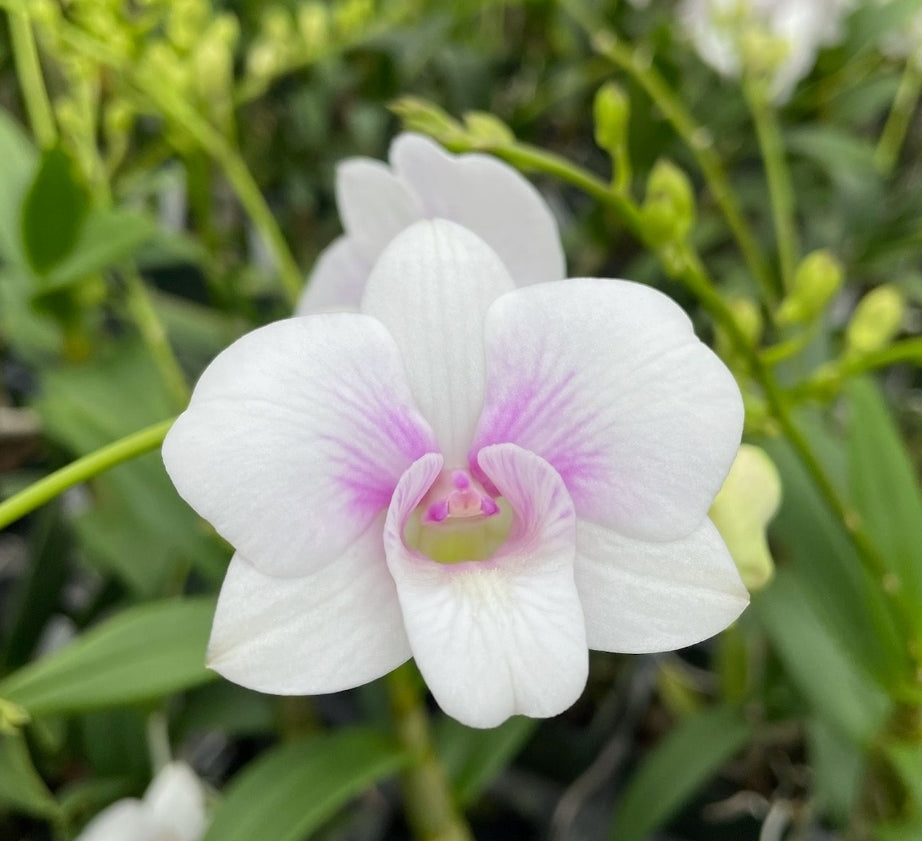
[173, 809]
[561, 441]
[785, 34]
[376, 202]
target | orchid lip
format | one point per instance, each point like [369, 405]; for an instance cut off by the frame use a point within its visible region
[456, 495]
[458, 520]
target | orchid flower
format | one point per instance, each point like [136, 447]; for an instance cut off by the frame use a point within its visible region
[477, 191]
[173, 809]
[490, 479]
[784, 34]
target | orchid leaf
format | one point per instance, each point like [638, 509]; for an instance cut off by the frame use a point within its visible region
[678, 767]
[144, 652]
[267, 799]
[21, 788]
[885, 489]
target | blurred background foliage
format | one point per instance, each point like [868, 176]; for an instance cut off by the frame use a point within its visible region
[172, 192]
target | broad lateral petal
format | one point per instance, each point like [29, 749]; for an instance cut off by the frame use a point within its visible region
[375, 205]
[336, 628]
[641, 597]
[431, 288]
[606, 380]
[175, 802]
[506, 635]
[295, 438]
[122, 820]
[337, 281]
[488, 197]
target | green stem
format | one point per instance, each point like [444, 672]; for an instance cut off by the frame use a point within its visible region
[897, 126]
[154, 335]
[29, 71]
[780, 190]
[701, 145]
[908, 350]
[82, 469]
[427, 796]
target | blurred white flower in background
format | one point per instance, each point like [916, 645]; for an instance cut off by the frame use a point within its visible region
[423, 181]
[775, 39]
[172, 809]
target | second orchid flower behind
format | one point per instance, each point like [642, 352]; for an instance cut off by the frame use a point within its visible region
[489, 479]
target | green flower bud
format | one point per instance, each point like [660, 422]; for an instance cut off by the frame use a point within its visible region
[352, 17]
[876, 321]
[12, 717]
[426, 118]
[669, 209]
[214, 59]
[743, 508]
[816, 280]
[611, 111]
[487, 129]
[314, 27]
[185, 23]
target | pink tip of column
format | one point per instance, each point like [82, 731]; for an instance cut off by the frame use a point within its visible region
[488, 506]
[438, 511]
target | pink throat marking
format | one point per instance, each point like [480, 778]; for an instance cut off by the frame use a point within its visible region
[456, 494]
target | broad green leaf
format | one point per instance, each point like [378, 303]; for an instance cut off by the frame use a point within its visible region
[814, 543]
[834, 685]
[53, 211]
[885, 490]
[36, 595]
[473, 758]
[290, 791]
[142, 653]
[837, 767]
[19, 163]
[107, 237]
[676, 768]
[21, 788]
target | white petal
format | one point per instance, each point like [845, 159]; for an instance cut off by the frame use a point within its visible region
[606, 380]
[334, 629]
[489, 198]
[643, 597]
[374, 204]
[295, 438]
[175, 803]
[506, 635]
[337, 281]
[123, 820]
[431, 288]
